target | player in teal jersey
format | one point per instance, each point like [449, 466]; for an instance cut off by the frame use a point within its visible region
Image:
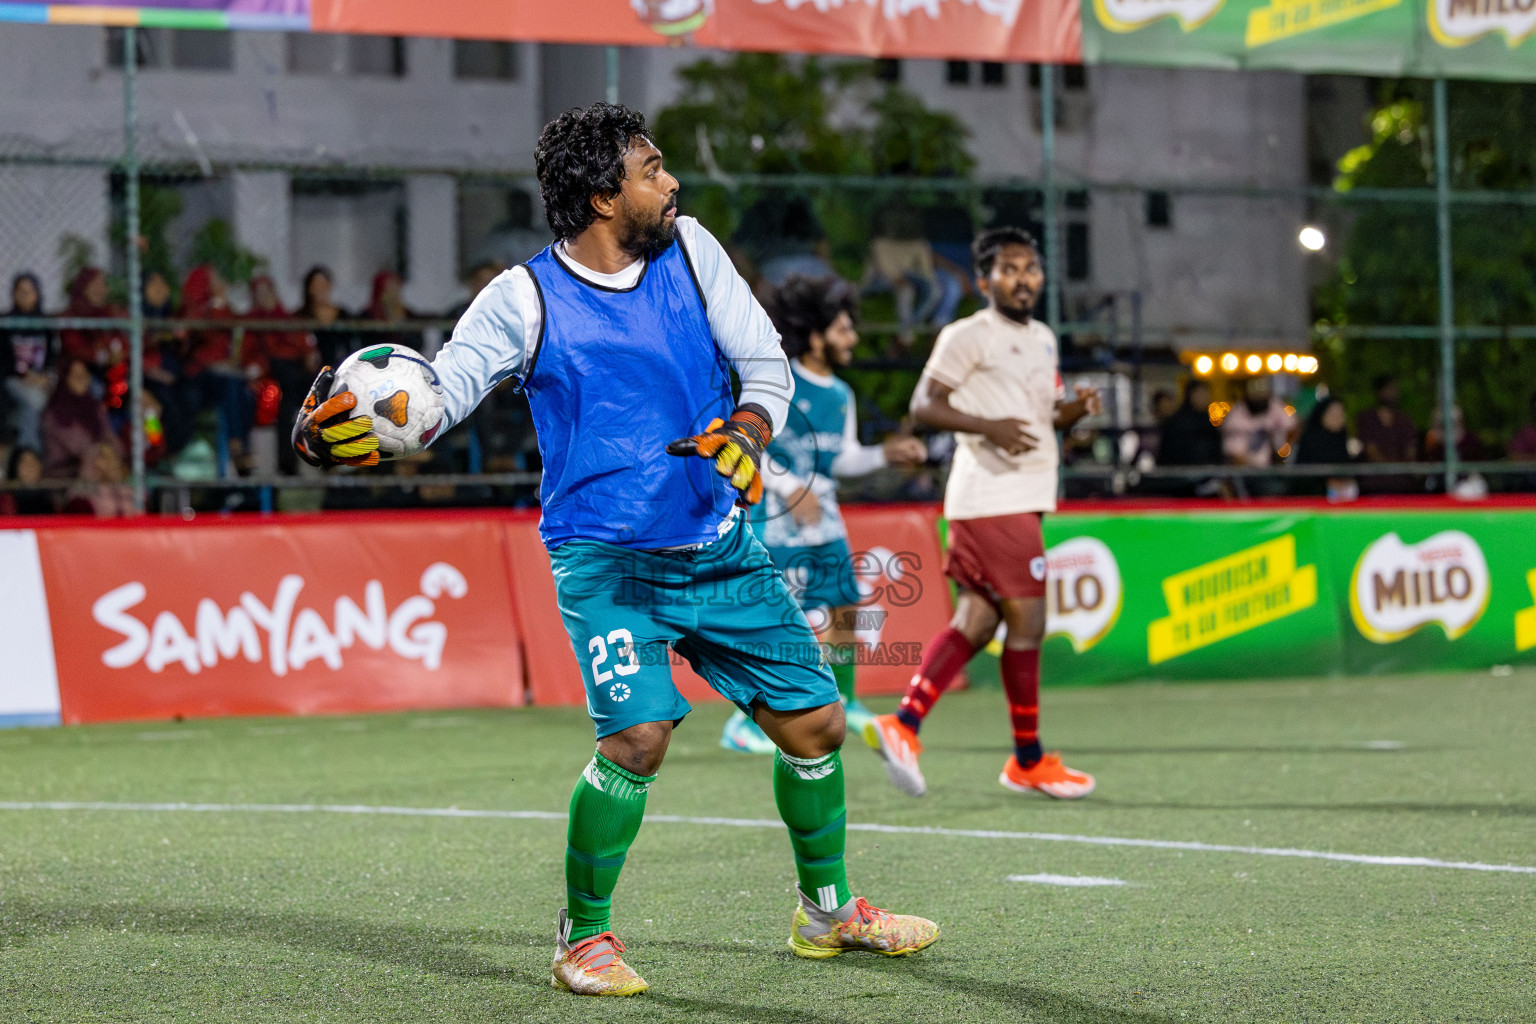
[799, 521]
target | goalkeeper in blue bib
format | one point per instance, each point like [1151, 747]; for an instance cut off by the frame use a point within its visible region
[624, 333]
[799, 521]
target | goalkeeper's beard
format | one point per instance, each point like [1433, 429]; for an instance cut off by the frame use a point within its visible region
[648, 238]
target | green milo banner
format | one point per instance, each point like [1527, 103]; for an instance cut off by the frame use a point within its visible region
[1250, 595]
[1427, 38]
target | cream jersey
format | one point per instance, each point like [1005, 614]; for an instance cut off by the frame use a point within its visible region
[999, 369]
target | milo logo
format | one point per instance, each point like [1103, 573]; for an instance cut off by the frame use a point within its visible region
[1083, 591]
[1398, 589]
[1459, 22]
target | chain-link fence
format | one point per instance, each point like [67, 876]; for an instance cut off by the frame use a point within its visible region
[1189, 305]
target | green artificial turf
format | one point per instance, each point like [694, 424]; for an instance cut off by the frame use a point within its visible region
[136, 915]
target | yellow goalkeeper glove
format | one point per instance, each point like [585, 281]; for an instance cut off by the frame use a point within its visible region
[327, 434]
[736, 445]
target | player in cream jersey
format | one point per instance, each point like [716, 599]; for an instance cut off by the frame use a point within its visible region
[993, 379]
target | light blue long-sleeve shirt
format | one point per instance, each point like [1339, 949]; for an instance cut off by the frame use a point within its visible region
[496, 337]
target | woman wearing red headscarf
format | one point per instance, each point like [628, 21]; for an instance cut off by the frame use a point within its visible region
[98, 350]
[388, 306]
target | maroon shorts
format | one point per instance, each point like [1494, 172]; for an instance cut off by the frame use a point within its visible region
[998, 557]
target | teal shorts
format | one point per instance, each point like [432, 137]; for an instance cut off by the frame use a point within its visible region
[723, 607]
[820, 576]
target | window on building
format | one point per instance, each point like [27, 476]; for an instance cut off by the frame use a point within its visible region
[175, 49]
[957, 72]
[1159, 210]
[1077, 251]
[1073, 77]
[994, 73]
[316, 53]
[377, 55]
[489, 59]
[887, 70]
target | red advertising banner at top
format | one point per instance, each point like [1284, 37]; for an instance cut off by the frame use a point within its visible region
[1001, 30]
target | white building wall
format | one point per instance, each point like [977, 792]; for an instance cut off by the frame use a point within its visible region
[1227, 268]
[64, 99]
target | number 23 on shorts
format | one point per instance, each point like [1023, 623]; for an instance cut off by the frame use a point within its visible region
[624, 648]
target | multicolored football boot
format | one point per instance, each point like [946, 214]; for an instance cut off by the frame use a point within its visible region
[593, 966]
[817, 933]
[742, 735]
[1047, 775]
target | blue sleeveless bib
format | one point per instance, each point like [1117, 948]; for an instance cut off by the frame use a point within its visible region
[616, 374]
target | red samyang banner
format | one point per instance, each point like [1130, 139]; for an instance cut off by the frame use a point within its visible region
[1013, 30]
[374, 613]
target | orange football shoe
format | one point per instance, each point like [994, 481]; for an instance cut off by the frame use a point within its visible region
[898, 746]
[1048, 776]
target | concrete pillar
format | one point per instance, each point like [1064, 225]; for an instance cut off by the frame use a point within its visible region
[432, 259]
[263, 224]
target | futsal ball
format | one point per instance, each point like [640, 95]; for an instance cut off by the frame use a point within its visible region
[400, 390]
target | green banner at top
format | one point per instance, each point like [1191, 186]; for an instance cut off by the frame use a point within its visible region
[1423, 38]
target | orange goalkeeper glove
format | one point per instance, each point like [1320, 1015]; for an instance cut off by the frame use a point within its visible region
[737, 446]
[327, 434]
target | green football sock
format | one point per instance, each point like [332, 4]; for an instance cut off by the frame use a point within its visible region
[809, 793]
[606, 810]
[841, 660]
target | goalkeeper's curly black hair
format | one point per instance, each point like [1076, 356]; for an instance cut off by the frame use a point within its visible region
[581, 155]
[989, 243]
[803, 306]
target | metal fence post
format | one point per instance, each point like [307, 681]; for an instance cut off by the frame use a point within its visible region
[611, 72]
[1048, 194]
[135, 270]
[1447, 293]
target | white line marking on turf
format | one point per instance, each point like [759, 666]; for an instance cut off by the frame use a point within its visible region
[1378, 745]
[1070, 881]
[674, 819]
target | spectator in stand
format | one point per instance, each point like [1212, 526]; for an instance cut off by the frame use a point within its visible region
[27, 355]
[211, 376]
[332, 341]
[1469, 447]
[101, 351]
[1189, 438]
[287, 358]
[1325, 441]
[1389, 435]
[902, 261]
[73, 422]
[103, 490]
[387, 306]
[162, 364]
[480, 275]
[1256, 431]
[25, 466]
[1522, 447]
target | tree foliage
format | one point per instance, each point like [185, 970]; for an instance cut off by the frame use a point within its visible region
[1388, 271]
[769, 114]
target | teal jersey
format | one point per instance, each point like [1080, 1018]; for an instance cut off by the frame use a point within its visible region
[812, 439]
